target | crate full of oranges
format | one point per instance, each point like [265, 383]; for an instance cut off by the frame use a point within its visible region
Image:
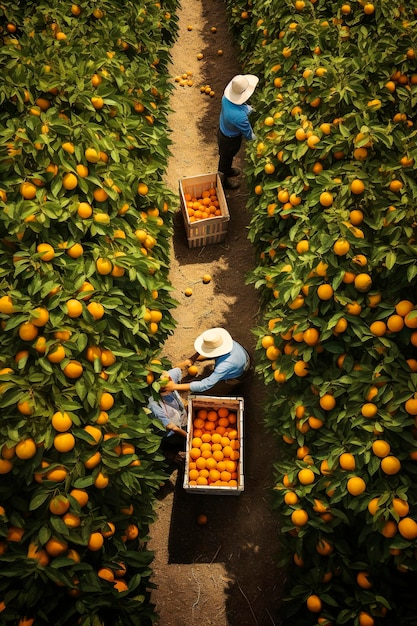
[204, 208]
[214, 452]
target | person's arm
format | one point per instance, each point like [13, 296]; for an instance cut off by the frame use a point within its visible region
[176, 429]
[172, 386]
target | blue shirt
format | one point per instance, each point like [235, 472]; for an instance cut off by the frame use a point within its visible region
[234, 119]
[231, 365]
[170, 407]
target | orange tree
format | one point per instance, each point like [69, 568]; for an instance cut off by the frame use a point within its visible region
[85, 305]
[334, 203]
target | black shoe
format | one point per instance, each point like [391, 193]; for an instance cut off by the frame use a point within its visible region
[231, 184]
[235, 171]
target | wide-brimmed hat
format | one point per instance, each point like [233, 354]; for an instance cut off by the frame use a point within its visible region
[213, 342]
[240, 88]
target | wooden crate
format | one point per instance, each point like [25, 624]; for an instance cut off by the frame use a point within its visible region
[210, 230]
[233, 404]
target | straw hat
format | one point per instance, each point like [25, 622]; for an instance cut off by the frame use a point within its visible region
[240, 88]
[213, 342]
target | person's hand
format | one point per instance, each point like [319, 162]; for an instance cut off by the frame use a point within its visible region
[185, 363]
[170, 386]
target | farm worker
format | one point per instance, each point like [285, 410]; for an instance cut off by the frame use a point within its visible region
[234, 124]
[231, 363]
[169, 409]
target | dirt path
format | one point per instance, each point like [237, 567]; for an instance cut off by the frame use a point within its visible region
[223, 573]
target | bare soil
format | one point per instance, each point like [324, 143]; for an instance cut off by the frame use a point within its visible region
[224, 573]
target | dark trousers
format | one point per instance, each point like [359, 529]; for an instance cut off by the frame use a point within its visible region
[228, 148]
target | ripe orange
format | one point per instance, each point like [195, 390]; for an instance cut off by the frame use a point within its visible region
[378, 328]
[390, 465]
[104, 266]
[301, 368]
[363, 282]
[75, 251]
[28, 190]
[400, 506]
[347, 461]
[56, 354]
[64, 442]
[40, 316]
[327, 402]
[357, 186]
[95, 541]
[381, 448]
[324, 547]
[408, 528]
[95, 433]
[28, 331]
[96, 309]
[56, 547]
[106, 401]
[369, 409]
[325, 291]
[70, 181]
[106, 574]
[58, 505]
[362, 578]
[356, 485]
[74, 307]
[314, 604]
[326, 199]
[73, 369]
[299, 517]
[341, 247]
[80, 495]
[26, 449]
[101, 481]
[61, 421]
[306, 476]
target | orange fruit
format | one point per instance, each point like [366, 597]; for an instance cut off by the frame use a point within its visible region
[357, 186]
[314, 604]
[96, 309]
[390, 465]
[28, 331]
[363, 282]
[56, 547]
[325, 291]
[61, 421]
[40, 316]
[56, 354]
[306, 476]
[381, 448]
[74, 307]
[80, 495]
[327, 402]
[58, 505]
[400, 506]
[408, 528]
[369, 409]
[362, 578]
[101, 481]
[299, 517]
[106, 401]
[73, 369]
[326, 199]
[378, 328]
[64, 442]
[356, 485]
[70, 181]
[95, 541]
[347, 461]
[341, 247]
[26, 449]
[104, 266]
